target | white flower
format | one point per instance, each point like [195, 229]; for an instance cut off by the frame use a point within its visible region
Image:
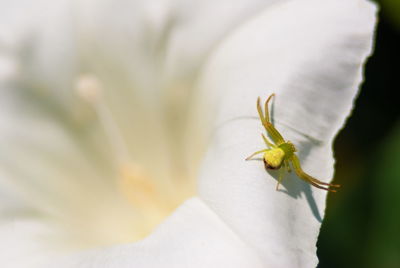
[106, 109]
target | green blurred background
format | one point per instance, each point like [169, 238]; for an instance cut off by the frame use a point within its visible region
[362, 223]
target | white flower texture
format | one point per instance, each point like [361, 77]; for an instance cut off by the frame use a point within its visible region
[124, 126]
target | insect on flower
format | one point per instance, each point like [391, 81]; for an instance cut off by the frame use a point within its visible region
[282, 153]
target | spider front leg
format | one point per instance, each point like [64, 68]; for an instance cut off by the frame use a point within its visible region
[267, 142]
[256, 153]
[275, 135]
[266, 111]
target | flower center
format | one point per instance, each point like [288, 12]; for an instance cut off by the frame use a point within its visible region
[150, 200]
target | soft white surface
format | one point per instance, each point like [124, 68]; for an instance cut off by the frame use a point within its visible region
[193, 236]
[221, 57]
[310, 54]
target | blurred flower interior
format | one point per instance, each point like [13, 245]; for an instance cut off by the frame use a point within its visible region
[102, 120]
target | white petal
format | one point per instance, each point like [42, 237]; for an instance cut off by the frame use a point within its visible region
[41, 40]
[310, 53]
[199, 26]
[20, 246]
[193, 236]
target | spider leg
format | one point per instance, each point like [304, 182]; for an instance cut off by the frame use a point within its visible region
[267, 142]
[256, 153]
[266, 107]
[287, 166]
[281, 176]
[275, 135]
[313, 181]
[321, 187]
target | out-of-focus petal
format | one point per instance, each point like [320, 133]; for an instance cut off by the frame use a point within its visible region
[194, 236]
[155, 43]
[310, 53]
[20, 246]
[199, 26]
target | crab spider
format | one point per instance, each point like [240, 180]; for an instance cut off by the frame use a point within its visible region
[281, 153]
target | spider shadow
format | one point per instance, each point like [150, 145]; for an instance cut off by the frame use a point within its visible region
[293, 186]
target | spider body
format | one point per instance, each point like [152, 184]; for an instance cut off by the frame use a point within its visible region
[274, 158]
[282, 154]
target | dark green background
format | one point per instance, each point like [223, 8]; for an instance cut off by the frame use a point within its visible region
[362, 223]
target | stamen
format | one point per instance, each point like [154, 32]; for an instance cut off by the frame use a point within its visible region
[147, 199]
[90, 89]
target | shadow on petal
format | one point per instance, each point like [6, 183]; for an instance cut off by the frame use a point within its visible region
[295, 187]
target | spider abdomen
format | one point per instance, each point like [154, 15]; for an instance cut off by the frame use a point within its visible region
[273, 158]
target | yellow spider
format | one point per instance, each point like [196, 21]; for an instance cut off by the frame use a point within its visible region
[282, 153]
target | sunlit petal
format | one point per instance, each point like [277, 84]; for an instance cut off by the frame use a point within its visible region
[310, 54]
[105, 111]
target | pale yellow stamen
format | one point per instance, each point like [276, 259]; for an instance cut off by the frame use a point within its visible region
[147, 197]
[89, 87]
